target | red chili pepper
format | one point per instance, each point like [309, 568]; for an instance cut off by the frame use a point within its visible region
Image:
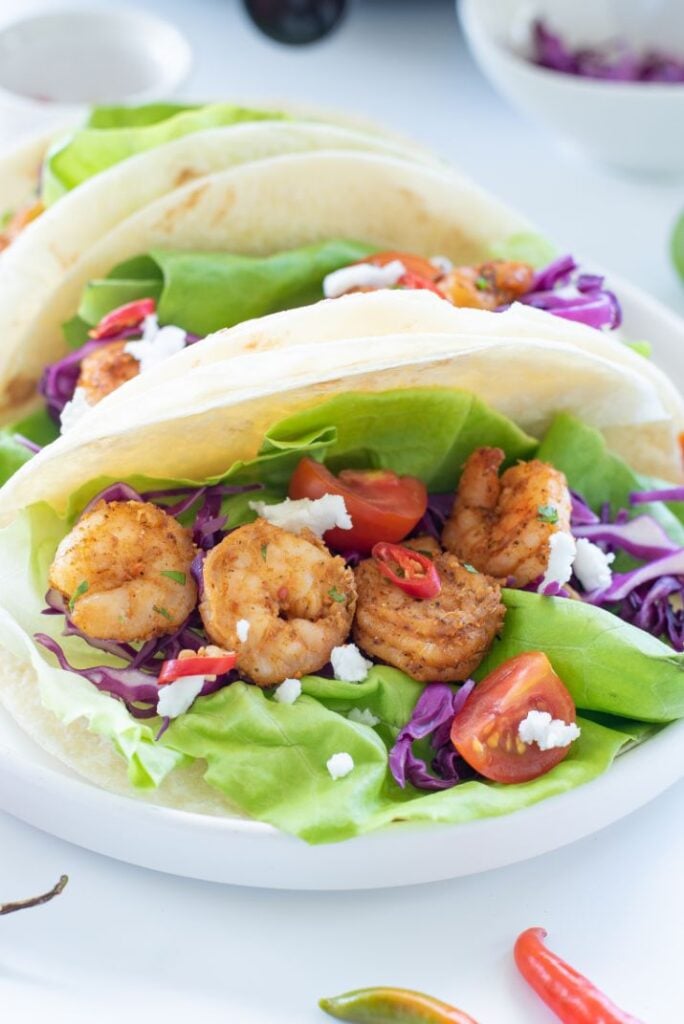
[571, 996]
[130, 315]
[417, 281]
[395, 1005]
[177, 668]
[415, 574]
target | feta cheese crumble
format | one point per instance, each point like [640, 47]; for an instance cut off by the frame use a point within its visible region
[562, 549]
[242, 630]
[592, 565]
[74, 410]
[442, 263]
[340, 765]
[175, 698]
[288, 691]
[349, 664]
[318, 515]
[363, 716]
[538, 727]
[362, 275]
[157, 343]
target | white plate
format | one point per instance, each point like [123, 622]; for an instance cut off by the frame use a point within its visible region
[41, 791]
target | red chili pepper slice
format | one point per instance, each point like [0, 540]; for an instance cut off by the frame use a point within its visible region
[400, 1005]
[415, 574]
[131, 314]
[572, 997]
[177, 668]
[420, 283]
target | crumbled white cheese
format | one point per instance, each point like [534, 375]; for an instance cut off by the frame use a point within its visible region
[538, 727]
[562, 550]
[288, 691]
[318, 515]
[74, 410]
[242, 630]
[442, 263]
[363, 716]
[349, 664]
[175, 698]
[157, 343]
[340, 765]
[362, 275]
[592, 565]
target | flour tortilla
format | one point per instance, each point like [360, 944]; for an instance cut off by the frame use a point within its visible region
[214, 414]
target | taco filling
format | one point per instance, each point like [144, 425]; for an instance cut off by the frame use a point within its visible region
[151, 307]
[345, 643]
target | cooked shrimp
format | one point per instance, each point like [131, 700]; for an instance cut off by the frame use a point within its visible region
[503, 525]
[125, 571]
[106, 369]
[488, 286]
[297, 599]
[442, 639]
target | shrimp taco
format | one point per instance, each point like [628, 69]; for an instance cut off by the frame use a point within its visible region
[272, 234]
[411, 581]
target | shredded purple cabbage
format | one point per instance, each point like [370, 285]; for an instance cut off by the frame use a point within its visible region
[614, 61]
[438, 510]
[652, 595]
[432, 716]
[560, 289]
[27, 443]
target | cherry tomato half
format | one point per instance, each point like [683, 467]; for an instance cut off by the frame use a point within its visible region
[485, 731]
[417, 265]
[178, 668]
[131, 314]
[382, 505]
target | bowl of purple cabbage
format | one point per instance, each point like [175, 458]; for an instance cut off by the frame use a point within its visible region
[606, 77]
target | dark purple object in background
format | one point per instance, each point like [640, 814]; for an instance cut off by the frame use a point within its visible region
[296, 21]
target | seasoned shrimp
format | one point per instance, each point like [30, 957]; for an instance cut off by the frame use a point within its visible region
[488, 286]
[106, 369]
[503, 525]
[125, 571]
[296, 599]
[442, 639]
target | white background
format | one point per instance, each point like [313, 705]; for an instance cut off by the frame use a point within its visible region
[124, 943]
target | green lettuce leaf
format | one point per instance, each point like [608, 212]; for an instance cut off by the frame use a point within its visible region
[38, 427]
[269, 760]
[203, 292]
[526, 247]
[423, 432]
[608, 665]
[113, 135]
[599, 476]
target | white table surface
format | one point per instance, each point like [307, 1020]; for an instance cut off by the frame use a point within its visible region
[124, 943]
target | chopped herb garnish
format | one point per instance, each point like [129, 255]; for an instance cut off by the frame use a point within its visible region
[177, 577]
[547, 514]
[264, 551]
[469, 567]
[78, 592]
[337, 595]
[162, 611]
[482, 284]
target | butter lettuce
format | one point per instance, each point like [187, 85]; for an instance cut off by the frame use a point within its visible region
[269, 759]
[37, 427]
[205, 291]
[115, 133]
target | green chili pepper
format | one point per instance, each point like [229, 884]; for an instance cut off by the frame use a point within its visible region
[392, 1006]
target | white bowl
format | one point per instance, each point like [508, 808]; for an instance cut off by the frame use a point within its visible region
[632, 125]
[57, 63]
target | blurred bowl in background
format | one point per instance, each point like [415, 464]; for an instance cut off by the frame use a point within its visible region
[636, 126]
[58, 63]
